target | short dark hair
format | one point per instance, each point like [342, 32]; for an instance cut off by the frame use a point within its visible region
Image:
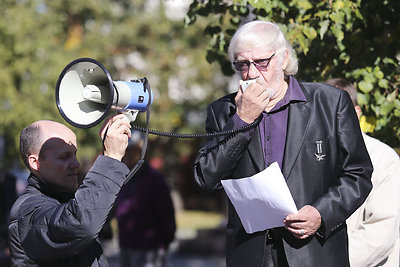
[29, 142]
[345, 85]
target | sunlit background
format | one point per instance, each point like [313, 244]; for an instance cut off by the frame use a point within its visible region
[182, 54]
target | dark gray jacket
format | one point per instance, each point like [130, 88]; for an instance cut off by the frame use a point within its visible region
[52, 229]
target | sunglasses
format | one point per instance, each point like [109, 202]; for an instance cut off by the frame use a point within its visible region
[260, 64]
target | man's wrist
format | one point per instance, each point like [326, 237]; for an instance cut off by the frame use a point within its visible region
[239, 123]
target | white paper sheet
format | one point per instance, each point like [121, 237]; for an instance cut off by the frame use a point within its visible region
[262, 201]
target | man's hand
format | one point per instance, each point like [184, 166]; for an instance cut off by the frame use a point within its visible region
[305, 223]
[251, 103]
[115, 134]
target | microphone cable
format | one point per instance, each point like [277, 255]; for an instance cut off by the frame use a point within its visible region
[200, 135]
[148, 131]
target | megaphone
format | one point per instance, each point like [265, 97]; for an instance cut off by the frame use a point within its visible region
[85, 93]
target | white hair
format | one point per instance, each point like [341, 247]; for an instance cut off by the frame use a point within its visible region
[263, 34]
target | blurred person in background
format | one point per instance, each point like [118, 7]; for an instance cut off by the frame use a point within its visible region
[56, 222]
[8, 194]
[374, 228]
[145, 213]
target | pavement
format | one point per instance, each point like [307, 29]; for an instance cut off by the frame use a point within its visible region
[202, 248]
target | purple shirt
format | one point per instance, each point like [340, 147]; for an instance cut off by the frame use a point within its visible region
[273, 125]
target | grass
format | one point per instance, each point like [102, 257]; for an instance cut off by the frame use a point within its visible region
[195, 220]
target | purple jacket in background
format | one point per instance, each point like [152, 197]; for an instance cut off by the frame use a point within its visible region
[145, 212]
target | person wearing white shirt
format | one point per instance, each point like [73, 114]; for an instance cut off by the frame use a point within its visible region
[373, 229]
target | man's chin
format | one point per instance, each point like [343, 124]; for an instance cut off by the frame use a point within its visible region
[73, 185]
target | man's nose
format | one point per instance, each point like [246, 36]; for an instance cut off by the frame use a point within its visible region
[253, 72]
[75, 163]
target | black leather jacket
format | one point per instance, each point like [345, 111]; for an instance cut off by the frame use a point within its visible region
[52, 229]
[336, 185]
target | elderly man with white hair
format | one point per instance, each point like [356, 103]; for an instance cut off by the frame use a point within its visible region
[310, 130]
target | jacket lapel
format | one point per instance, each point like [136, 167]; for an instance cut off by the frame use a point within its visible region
[255, 150]
[299, 117]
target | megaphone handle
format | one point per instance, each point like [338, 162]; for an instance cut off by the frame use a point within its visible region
[130, 114]
[146, 137]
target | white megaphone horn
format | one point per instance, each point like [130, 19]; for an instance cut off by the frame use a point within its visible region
[85, 93]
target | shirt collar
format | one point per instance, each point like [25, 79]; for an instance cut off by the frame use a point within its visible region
[293, 94]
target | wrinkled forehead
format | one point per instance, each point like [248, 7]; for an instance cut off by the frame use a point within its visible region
[254, 41]
[253, 48]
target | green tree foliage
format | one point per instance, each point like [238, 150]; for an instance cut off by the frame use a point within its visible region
[357, 40]
[132, 39]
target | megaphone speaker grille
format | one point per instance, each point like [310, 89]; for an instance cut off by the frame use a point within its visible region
[71, 103]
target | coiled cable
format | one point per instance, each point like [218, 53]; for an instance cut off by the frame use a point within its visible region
[199, 135]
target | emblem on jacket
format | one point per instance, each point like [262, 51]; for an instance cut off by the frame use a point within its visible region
[319, 154]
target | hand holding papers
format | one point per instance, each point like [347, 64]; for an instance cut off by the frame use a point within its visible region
[262, 201]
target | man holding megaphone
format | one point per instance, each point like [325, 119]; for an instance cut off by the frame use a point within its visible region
[56, 222]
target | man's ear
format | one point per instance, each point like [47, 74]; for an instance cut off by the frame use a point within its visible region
[33, 162]
[358, 111]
